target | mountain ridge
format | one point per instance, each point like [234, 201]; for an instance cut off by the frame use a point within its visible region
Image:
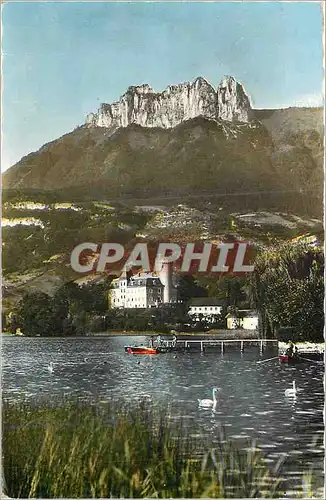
[98, 142]
[188, 139]
[260, 114]
[140, 104]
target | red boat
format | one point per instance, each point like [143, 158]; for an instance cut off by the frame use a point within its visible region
[141, 350]
[289, 359]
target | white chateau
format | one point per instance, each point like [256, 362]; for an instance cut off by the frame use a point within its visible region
[143, 290]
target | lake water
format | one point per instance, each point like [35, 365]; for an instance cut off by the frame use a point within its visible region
[251, 403]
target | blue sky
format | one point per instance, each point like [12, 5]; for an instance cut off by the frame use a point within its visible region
[61, 60]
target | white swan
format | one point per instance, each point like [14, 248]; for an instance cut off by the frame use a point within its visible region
[291, 392]
[50, 367]
[209, 403]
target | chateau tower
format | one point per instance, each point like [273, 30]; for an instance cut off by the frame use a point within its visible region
[166, 279]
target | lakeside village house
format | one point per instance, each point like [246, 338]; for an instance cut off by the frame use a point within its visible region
[205, 307]
[148, 290]
[245, 318]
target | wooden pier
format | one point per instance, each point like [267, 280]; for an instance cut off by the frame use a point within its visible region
[221, 344]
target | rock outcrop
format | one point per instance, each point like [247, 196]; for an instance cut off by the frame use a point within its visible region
[233, 103]
[178, 103]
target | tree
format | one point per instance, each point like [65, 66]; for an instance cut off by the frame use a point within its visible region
[230, 289]
[94, 297]
[85, 304]
[71, 310]
[40, 314]
[189, 288]
[288, 289]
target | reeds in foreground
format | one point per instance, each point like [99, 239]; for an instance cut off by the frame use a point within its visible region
[79, 451]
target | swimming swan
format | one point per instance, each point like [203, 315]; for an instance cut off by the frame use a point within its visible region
[209, 403]
[50, 367]
[291, 392]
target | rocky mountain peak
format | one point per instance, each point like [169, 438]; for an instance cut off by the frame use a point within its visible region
[233, 103]
[140, 104]
[199, 81]
[140, 89]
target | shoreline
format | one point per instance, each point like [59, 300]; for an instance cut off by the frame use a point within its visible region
[230, 334]
[223, 334]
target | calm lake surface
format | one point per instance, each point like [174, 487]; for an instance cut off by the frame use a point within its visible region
[251, 405]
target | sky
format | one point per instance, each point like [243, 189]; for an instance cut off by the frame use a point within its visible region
[61, 60]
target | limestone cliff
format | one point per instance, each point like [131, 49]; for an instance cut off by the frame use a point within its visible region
[232, 101]
[178, 103]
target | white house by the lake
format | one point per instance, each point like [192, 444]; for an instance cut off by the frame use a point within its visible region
[245, 318]
[204, 307]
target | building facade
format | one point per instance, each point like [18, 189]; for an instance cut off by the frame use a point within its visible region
[204, 307]
[143, 290]
[246, 319]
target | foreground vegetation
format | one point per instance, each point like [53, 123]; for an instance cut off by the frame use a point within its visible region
[77, 451]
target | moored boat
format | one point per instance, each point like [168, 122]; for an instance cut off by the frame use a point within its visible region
[141, 350]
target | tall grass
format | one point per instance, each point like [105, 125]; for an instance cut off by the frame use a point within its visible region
[78, 451]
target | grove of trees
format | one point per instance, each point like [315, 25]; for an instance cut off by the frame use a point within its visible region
[287, 287]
